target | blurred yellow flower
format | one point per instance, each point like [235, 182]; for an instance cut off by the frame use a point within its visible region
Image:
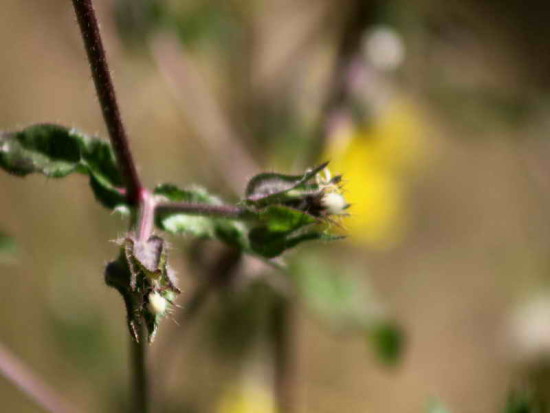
[375, 162]
[249, 398]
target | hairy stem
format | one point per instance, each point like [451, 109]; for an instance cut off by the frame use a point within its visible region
[219, 211]
[15, 371]
[97, 58]
[136, 194]
[146, 216]
[140, 370]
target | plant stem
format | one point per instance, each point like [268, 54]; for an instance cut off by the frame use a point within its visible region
[146, 216]
[137, 196]
[140, 371]
[141, 399]
[219, 211]
[89, 28]
[15, 371]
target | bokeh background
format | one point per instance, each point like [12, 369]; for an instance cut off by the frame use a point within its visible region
[436, 113]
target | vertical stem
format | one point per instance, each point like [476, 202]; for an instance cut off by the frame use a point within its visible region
[140, 382]
[140, 371]
[135, 193]
[97, 58]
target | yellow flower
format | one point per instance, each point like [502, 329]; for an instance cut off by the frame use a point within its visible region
[375, 162]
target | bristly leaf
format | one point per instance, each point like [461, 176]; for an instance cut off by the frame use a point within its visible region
[268, 188]
[141, 270]
[270, 244]
[277, 218]
[56, 151]
[231, 232]
[281, 228]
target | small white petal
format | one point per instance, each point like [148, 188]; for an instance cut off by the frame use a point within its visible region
[334, 203]
[157, 304]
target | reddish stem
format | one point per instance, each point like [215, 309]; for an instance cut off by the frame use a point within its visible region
[97, 58]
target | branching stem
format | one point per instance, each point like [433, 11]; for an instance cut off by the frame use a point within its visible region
[219, 211]
[137, 196]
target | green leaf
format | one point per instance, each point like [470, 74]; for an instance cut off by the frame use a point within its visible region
[47, 149]
[271, 244]
[282, 228]
[269, 188]
[267, 243]
[279, 218]
[56, 151]
[229, 231]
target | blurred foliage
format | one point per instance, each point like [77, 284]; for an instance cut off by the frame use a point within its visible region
[197, 23]
[523, 402]
[388, 341]
[7, 245]
[237, 320]
[437, 407]
[341, 298]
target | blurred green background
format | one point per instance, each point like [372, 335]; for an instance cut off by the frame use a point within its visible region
[441, 138]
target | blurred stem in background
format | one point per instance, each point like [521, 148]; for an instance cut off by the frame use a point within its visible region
[359, 15]
[20, 375]
[283, 329]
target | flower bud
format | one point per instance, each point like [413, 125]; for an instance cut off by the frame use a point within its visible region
[157, 304]
[334, 203]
